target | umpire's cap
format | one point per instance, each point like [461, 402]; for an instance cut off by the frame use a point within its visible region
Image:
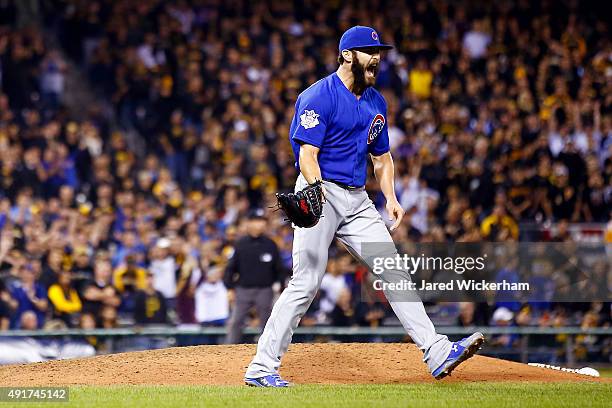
[256, 214]
[361, 37]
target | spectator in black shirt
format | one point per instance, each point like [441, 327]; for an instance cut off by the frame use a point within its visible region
[343, 314]
[100, 297]
[597, 198]
[252, 270]
[563, 196]
[81, 266]
[150, 305]
[5, 306]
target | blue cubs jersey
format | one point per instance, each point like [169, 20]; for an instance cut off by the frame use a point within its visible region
[344, 128]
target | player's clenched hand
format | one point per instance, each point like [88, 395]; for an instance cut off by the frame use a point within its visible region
[396, 212]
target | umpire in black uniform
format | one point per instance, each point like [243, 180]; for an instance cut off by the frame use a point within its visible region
[251, 271]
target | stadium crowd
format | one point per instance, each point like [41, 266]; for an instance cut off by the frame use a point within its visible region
[498, 115]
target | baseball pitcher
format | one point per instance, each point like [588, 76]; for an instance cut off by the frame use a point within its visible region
[339, 121]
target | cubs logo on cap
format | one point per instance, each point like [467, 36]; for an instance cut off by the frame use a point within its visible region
[361, 37]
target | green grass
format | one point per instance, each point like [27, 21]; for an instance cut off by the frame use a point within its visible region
[605, 372]
[471, 395]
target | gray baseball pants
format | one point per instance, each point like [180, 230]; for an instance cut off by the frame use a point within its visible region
[350, 216]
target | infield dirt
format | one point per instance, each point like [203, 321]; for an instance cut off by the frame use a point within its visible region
[348, 363]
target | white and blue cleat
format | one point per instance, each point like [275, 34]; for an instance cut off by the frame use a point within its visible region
[271, 381]
[460, 351]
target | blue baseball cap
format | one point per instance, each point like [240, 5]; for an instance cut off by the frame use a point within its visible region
[361, 37]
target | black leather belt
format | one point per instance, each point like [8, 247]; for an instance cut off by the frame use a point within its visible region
[344, 186]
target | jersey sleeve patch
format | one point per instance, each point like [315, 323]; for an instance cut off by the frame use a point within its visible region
[309, 119]
[376, 127]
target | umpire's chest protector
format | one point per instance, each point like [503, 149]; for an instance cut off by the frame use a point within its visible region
[344, 128]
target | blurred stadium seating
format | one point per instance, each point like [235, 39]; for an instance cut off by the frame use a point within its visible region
[126, 122]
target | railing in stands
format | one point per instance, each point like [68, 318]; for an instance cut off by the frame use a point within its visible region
[171, 331]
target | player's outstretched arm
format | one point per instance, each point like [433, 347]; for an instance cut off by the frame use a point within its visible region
[384, 172]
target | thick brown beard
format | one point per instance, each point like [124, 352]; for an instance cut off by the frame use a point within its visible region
[360, 84]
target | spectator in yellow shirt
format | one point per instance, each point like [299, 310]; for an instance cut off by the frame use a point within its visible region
[498, 221]
[64, 298]
[608, 232]
[420, 80]
[129, 277]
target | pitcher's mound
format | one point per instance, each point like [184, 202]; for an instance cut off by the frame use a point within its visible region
[349, 363]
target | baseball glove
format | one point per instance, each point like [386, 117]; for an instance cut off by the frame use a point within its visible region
[305, 207]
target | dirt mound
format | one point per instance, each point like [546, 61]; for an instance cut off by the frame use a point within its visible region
[354, 363]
